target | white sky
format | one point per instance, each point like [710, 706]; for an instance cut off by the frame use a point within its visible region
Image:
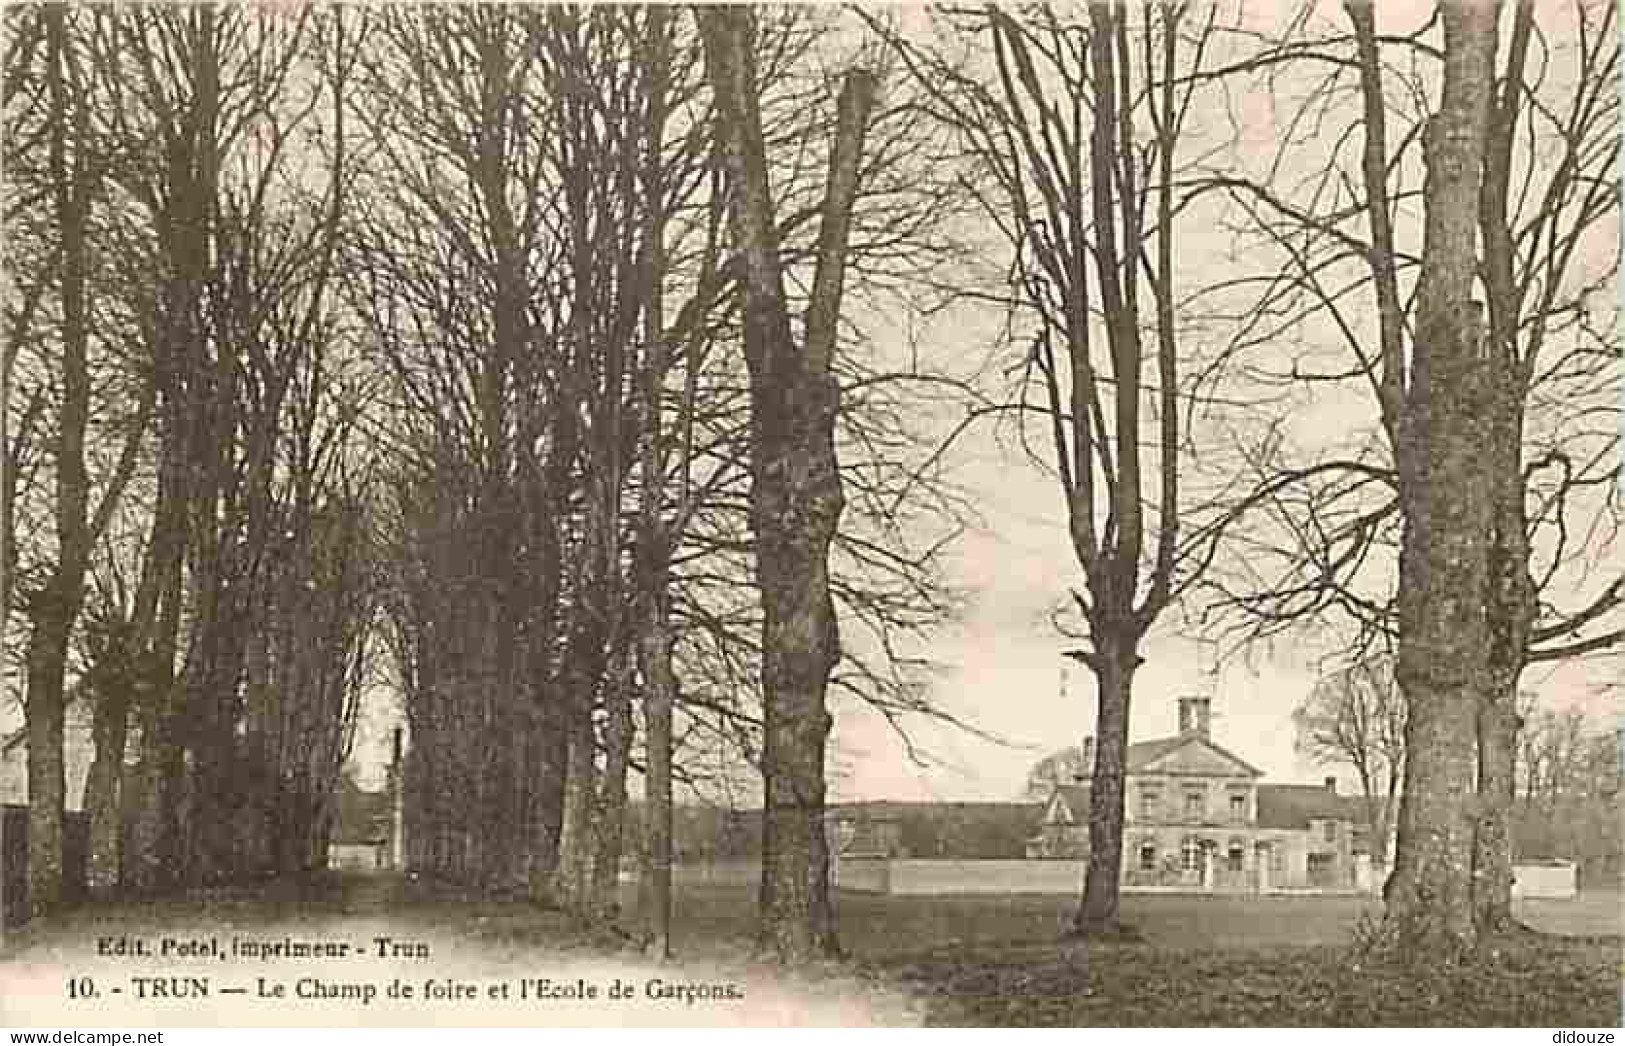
[1007, 673]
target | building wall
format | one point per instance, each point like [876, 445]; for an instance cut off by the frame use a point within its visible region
[1173, 806]
[1291, 859]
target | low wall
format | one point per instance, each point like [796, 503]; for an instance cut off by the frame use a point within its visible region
[1064, 878]
[877, 875]
[1556, 879]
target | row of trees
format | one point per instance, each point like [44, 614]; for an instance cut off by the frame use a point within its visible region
[517, 344]
[1419, 216]
[185, 520]
[405, 347]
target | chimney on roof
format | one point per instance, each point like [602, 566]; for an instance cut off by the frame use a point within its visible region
[1331, 785]
[1087, 769]
[1194, 716]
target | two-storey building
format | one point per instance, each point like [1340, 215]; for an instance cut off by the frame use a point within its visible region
[1199, 817]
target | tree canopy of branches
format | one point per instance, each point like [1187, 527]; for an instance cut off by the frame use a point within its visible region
[1355, 717]
[1076, 132]
[208, 508]
[1516, 203]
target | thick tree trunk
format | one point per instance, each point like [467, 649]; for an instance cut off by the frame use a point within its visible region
[59, 605]
[47, 659]
[796, 495]
[652, 573]
[1444, 638]
[545, 818]
[154, 862]
[104, 788]
[610, 822]
[1513, 603]
[800, 647]
[1492, 841]
[659, 687]
[1114, 669]
[1429, 893]
[572, 882]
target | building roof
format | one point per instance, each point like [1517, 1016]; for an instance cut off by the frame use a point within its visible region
[1142, 754]
[895, 809]
[1294, 806]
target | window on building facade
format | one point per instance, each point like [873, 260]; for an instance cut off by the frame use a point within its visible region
[1193, 806]
[1329, 831]
[1150, 803]
[1189, 854]
[1148, 857]
[1238, 806]
[1277, 858]
[1237, 855]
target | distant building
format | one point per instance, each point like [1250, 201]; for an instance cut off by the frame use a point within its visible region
[1197, 816]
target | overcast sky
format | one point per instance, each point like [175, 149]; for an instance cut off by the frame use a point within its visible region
[1007, 664]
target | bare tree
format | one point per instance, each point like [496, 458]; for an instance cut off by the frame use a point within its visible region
[1077, 129]
[1356, 717]
[796, 497]
[56, 607]
[1543, 460]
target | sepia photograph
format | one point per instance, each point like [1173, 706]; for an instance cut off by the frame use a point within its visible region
[878, 515]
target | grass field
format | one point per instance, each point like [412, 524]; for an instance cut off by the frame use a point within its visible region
[886, 930]
[1202, 961]
[958, 961]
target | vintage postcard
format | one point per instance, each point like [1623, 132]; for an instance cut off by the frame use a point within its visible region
[1051, 515]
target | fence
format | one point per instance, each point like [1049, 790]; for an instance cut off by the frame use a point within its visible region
[14, 861]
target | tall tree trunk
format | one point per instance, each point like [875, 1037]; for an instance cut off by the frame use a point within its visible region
[104, 787]
[652, 564]
[1443, 592]
[610, 822]
[659, 688]
[1513, 599]
[59, 604]
[1492, 841]
[573, 880]
[152, 789]
[796, 495]
[47, 656]
[1114, 669]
